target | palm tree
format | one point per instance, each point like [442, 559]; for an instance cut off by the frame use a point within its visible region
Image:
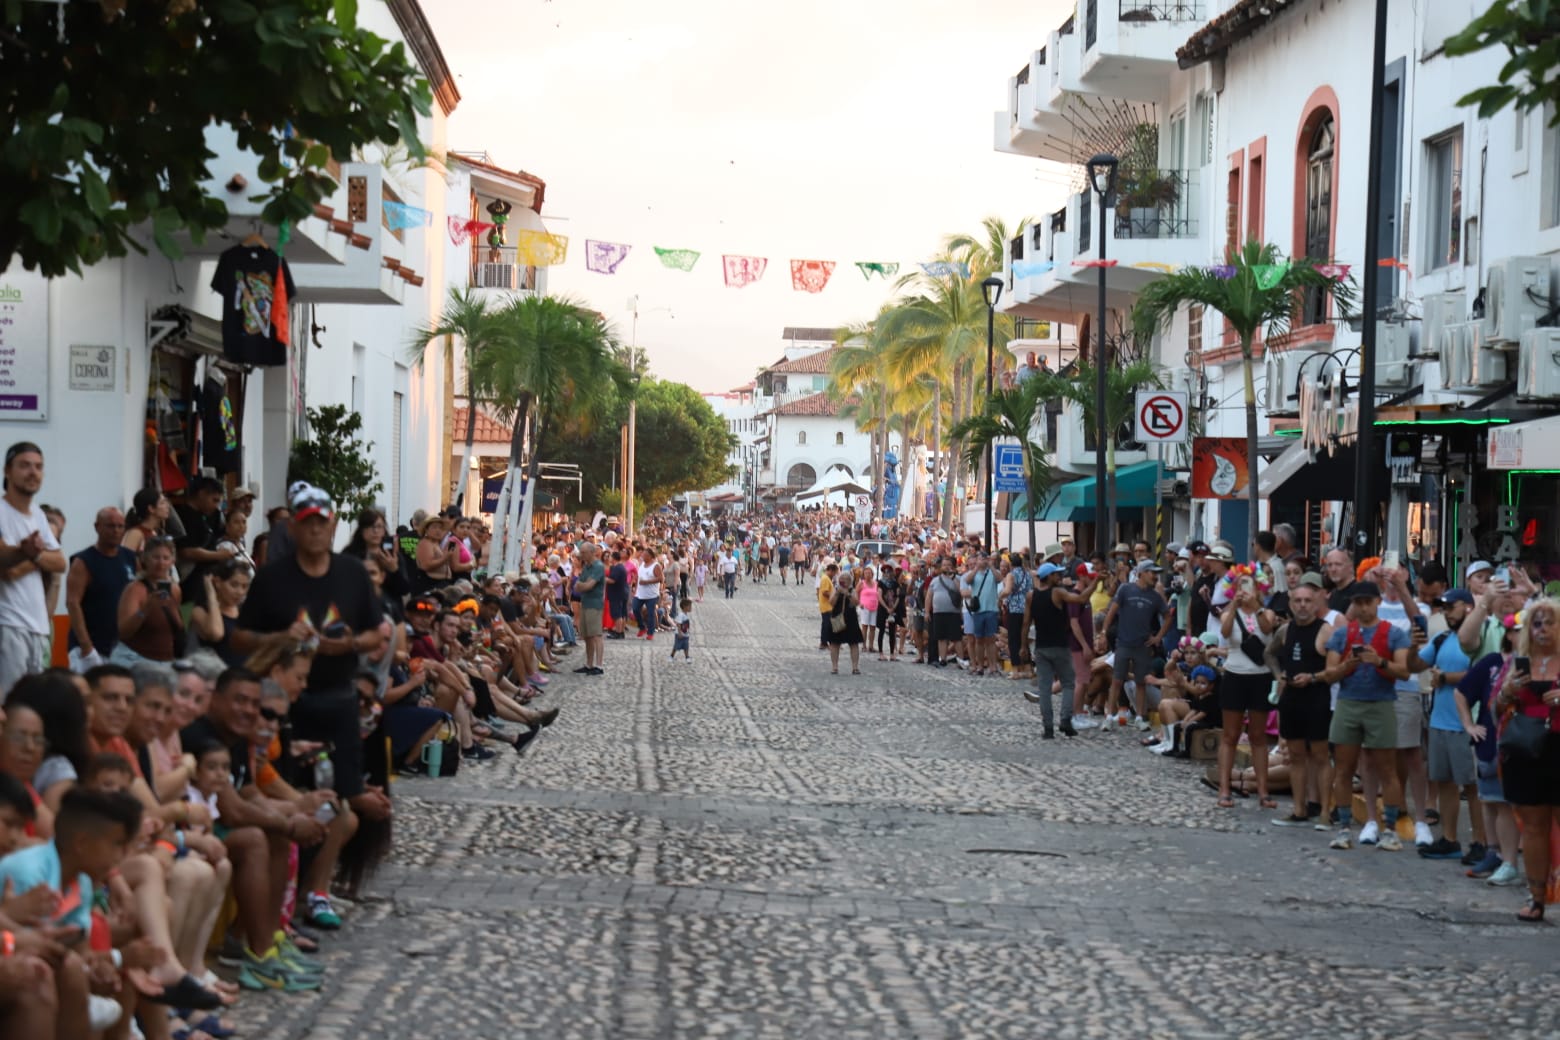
[1121, 385]
[1257, 291]
[1010, 415]
[985, 253]
[547, 357]
[858, 369]
[467, 317]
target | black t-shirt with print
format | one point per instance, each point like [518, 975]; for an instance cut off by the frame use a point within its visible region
[282, 593]
[246, 280]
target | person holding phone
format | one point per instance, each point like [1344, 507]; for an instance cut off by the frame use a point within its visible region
[150, 625]
[1529, 702]
[1367, 656]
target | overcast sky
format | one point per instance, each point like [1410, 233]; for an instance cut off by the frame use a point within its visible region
[839, 130]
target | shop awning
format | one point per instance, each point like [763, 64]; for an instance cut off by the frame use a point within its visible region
[1301, 475]
[1134, 489]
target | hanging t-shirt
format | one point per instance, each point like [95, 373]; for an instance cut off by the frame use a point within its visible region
[255, 285]
[219, 435]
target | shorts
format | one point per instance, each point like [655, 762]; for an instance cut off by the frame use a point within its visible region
[1304, 714]
[946, 628]
[1449, 757]
[333, 717]
[1491, 790]
[967, 623]
[1133, 662]
[1529, 780]
[1243, 693]
[1367, 724]
[1410, 719]
[983, 625]
[590, 621]
[867, 616]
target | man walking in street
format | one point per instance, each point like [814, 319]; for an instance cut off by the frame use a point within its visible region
[98, 575]
[592, 588]
[24, 615]
[981, 585]
[1047, 612]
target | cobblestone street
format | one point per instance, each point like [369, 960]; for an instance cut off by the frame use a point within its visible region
[748, 846]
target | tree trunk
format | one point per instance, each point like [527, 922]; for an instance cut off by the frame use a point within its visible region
[503, 519]
[936, 442]
[1252, 498]
[955, 456]
[527, 506]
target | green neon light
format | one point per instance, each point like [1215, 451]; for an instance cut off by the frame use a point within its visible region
[1443, 422]
[1291, 432]
[1513, 486]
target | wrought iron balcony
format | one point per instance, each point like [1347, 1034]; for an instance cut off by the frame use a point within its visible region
[1161, 11]
[1156, 204]
[496, 268]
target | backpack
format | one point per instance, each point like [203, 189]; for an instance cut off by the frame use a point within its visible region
[1380, 641]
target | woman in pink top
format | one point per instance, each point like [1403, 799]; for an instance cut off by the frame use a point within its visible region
[868, 600]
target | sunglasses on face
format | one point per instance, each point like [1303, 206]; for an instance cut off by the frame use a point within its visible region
[272, 715]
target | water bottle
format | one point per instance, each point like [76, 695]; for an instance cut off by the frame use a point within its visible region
[433, 756]
[324, 773]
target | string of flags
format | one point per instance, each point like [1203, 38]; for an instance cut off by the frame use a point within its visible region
[1267, 275]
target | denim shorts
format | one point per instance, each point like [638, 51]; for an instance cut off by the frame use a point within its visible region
[984, 624]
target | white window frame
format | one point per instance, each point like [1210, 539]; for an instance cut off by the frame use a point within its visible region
[1444, 156]
[1549, 175]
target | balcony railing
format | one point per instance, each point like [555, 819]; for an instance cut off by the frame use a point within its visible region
[497, 269]
[1156, 204]
[1023, 73]
[1091, 23]
[1085, 205]
[1161, 11]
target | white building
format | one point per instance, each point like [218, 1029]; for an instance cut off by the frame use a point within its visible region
[1255, 116]
[105, 368]
[738, 409]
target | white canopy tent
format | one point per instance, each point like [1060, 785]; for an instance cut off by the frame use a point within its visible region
[835, 488]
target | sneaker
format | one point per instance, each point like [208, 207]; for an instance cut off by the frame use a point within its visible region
[583, 669]
[1486, 866]
[1342, 840]
[320, 913]
[1083, 722]
[295, 958]
[537, 680]
[527, 741]
[1423, 838]
[1506, 877]
[1369, 833]
[477, 753]
[1476, 852]
[1142, 725]
[1032, 696]
[1441, 848]
[1291, 821]
[1162, 748]
[269, 972]
[596, 671]
[102, 1013]
[1389, 841]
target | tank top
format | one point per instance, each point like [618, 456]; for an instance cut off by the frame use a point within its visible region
[1050, 620]
[161, 635]
[1300, 656]
[100, 606]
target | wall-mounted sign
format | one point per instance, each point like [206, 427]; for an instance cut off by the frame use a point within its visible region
[1219, 467]
[94, 368]
[24, 345]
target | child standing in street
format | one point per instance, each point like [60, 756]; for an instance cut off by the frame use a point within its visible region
[684, 625]
[701, 574]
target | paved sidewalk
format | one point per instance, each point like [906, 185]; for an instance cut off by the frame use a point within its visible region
[747, 846]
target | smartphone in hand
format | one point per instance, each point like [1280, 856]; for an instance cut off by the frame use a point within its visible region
[1523, 665]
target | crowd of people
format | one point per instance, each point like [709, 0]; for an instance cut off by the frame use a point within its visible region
[1379, 693]
[196, 771]
[199, 776]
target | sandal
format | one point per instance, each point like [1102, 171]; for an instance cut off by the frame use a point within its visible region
[1268, 803]
[834, 671]
[1432, 818]
[1226, 803]
[1533, 913]
[855, 671]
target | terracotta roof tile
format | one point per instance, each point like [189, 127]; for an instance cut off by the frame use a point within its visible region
[1245, 18]
[812, 405]
[816, 363]
[489, 429]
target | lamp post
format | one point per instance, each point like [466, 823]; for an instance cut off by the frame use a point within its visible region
[1102, 176]
[991, 288]
[1366, 459]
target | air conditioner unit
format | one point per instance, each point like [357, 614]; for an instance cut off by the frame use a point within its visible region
[1440, 310]
[1283, 373]
[1538, 364]
[1486, 364]
[1394, 369]
[1456, 367]
[1518, 294]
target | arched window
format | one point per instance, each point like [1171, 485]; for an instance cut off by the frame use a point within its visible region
[1318, 207]
[801, 437]
[801, 476]
[839, 438]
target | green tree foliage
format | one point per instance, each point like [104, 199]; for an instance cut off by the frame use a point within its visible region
[1010, 415]
[1529, 30]
[105, 146]
[334, 458]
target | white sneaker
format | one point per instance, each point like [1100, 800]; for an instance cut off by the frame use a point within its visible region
[1162, 748]
[102, 1012]
[1123, 720]
[1422, 835]
[1505, 876]
[1142, 725]
[1083, 722]
[1369, 833]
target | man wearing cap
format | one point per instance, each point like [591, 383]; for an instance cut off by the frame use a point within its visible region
[1070, 558]
[1366, 656]
[320, 596]
[1145, 617]
[34, 552]
[1305, 701]
[1047, 611]
[1449, 756]
[1480, 632]
[1215, 564]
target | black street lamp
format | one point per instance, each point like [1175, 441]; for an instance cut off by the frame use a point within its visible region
[1366, 459]
[992, 288]
[1102, 175]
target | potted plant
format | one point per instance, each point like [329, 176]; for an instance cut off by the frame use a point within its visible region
[1143, 189]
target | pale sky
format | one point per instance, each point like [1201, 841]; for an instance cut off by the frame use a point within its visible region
[836, 130]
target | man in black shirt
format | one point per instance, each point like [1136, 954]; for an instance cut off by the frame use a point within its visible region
[1305, 701]
[201, 515]
[315, 595]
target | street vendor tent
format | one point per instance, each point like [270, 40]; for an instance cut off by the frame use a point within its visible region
[834, 487]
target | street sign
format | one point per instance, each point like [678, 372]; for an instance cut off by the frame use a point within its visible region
[863, 504]
[1161, 416]
[1009, 464]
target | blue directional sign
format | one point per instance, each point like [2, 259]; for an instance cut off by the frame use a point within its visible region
[1009, 465]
